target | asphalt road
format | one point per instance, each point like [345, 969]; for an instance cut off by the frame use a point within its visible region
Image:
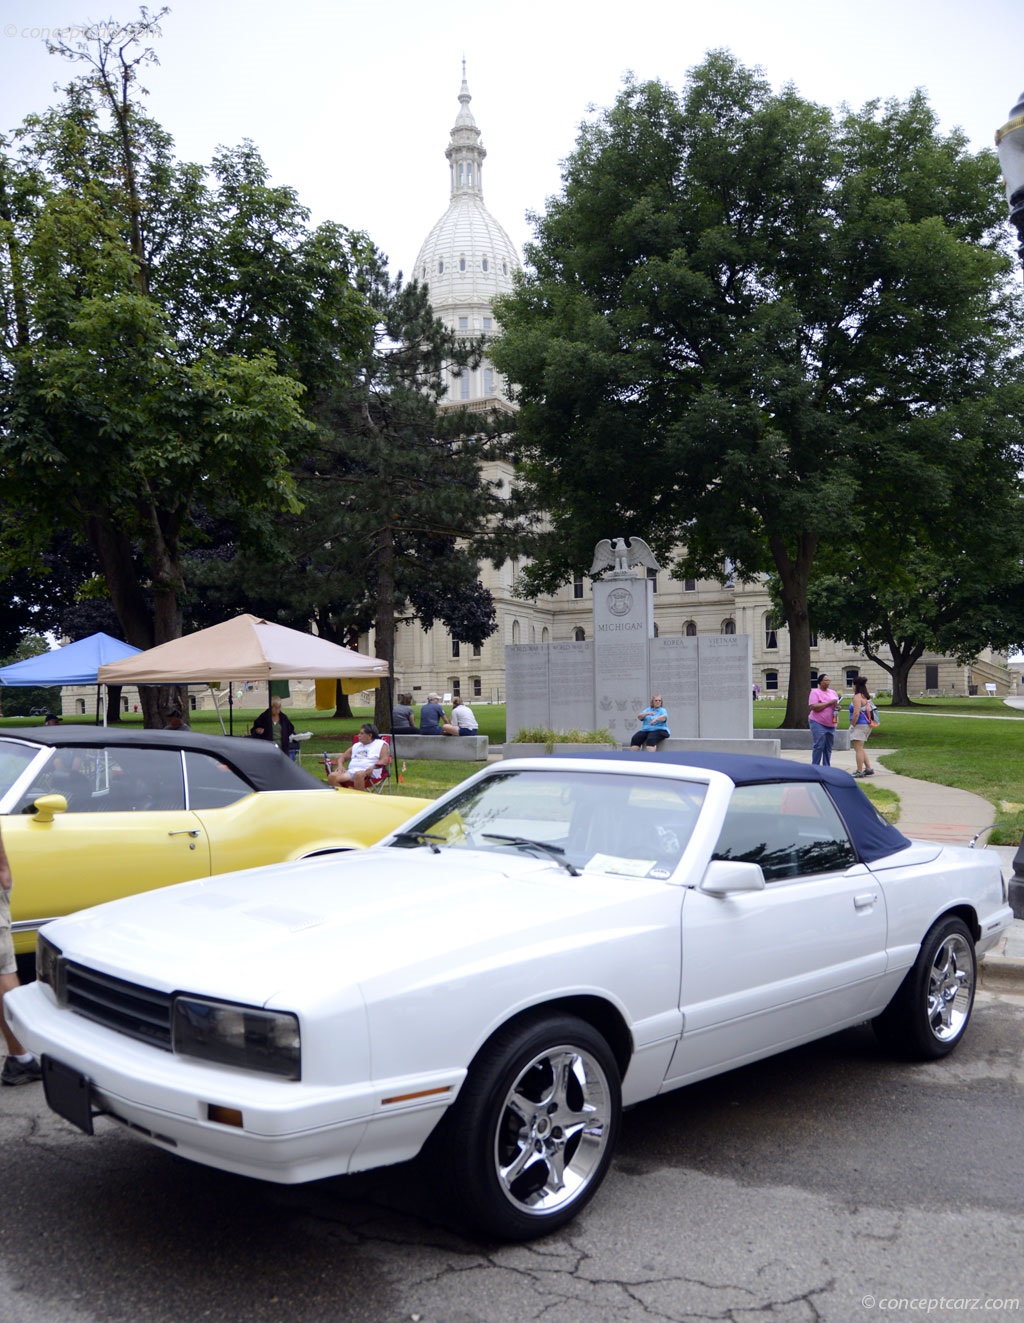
[827, 1184]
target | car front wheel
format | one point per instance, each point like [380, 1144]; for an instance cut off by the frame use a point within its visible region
[531, 1135]
[929, 1014]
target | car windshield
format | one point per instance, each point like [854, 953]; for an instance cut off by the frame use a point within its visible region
[595, 821]
[14, 758]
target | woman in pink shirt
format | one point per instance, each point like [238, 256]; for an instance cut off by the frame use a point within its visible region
[822, 717]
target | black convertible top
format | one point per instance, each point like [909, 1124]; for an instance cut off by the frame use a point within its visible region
[872, 836]
[260, 762]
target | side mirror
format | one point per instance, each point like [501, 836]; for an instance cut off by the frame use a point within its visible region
[727, 877]
[46, 806]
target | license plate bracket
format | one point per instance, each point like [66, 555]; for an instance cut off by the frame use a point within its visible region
[68, 1093]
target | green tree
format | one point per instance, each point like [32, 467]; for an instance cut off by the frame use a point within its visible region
[396, 508]
[163, 333]
[738, 302]
[941, 573]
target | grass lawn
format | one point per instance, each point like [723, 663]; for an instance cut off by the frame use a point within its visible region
[933, 741]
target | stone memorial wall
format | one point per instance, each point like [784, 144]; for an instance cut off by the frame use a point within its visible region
[705, 681]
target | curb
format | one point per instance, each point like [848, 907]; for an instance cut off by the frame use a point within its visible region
[1001, 972]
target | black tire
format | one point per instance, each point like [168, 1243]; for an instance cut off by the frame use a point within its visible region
[930, 1012]
[530, 1138]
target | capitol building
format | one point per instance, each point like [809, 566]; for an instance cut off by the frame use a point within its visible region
[467, 260]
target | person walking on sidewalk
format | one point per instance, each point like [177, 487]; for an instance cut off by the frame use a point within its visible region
[860, 726]
[21, 1067]
[822, 717]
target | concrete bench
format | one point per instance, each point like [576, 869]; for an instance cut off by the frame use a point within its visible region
[760, 748]
[801, 739]
[450, 748]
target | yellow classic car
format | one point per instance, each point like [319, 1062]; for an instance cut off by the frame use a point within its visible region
[90, 814]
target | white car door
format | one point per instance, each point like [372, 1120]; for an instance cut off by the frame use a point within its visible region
[766, 970]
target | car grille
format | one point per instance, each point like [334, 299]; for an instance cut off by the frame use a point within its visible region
[129, 1009]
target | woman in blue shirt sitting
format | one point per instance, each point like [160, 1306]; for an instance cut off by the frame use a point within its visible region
[653, 728]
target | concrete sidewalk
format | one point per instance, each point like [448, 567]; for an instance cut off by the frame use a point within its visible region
[939, 813]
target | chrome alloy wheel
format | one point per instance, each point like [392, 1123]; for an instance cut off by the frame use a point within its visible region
[553, 1128]
[950, 987]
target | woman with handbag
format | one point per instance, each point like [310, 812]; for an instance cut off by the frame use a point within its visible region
[861, 722]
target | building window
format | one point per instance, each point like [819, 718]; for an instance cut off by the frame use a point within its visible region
[689, 585]
[477, 650]
[931, 676]
[483, 264]
[440, 266]
[515, 631]
[579, 635]
[655, 629]
[771, 680]
[455, 647]
[453, 685]
[462, 264]
[487, 320]
[545, 637]
[771, 632]
[478, 687]
[690, 630]
[814, 638]
[851, 674]
[577, 588]
[469, 173]
[488, 381]
[730, 573]
[504, 267]
[464, 386]
[463, 323]
[728, 626]
[653, 576]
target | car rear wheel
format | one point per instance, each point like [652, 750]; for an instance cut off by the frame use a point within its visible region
[929, 1014]
[531, 1135]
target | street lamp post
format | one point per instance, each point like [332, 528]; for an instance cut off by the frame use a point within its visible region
[1010, 144]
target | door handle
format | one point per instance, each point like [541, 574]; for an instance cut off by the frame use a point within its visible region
[865, 900]
[189, 831]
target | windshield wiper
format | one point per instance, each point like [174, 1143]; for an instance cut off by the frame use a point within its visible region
[524, 842]
[421, 838]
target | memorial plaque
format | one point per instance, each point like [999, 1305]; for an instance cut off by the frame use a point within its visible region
[725, 671]
[527, 687]
[571, 678]
[674, 675]
[622, 629]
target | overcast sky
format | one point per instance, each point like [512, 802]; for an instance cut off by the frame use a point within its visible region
[351, 103]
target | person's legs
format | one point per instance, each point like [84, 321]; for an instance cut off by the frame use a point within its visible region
[857, 744]
[818, 733]
[639, 740]
[826, 752]
[8, 982]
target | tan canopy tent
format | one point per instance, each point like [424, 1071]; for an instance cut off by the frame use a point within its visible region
[246, 648]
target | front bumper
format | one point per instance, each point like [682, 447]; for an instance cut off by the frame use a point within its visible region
[290, 1132]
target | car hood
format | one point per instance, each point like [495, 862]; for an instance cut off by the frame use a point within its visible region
[278, 934]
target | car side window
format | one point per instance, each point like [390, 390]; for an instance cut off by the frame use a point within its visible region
[791, 830]
[211, 783]
[118, 779]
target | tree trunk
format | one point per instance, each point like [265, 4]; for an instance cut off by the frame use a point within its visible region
[384, 623]
[794, 574]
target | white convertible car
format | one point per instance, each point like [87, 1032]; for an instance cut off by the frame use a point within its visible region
[555, 939]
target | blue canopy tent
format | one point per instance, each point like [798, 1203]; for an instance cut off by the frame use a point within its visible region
[75, 663]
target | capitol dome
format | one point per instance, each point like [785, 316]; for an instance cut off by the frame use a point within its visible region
[467, 259]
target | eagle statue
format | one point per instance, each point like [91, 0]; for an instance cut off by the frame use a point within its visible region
[621, 555]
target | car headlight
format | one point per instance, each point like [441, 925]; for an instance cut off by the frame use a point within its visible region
[242, 1036]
